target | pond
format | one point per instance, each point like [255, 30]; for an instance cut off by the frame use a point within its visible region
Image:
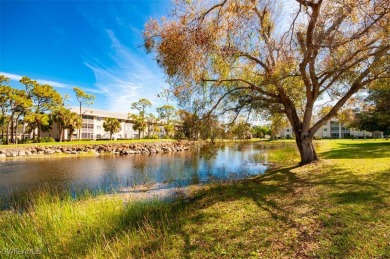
[108, 173]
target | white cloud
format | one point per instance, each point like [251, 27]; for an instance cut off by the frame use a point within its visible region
[15, 77]
[11, 76]
[129, 80]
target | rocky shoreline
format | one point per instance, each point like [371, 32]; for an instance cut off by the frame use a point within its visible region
[97, 149]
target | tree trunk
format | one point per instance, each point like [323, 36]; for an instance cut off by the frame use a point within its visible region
[23, 131]
[16, 130]
[7, 135]
[33, 132]
[61, 131]
[62, 136]
[12, 130]
[79, 130]
[303, 138]
[306, 150]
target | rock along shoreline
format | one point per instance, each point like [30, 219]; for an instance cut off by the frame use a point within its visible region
[97, 149]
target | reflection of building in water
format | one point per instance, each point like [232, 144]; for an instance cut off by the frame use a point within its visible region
[335, 129]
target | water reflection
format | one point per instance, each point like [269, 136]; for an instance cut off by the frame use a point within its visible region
[104, 173]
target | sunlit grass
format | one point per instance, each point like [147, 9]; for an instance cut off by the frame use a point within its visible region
[337, 208]
[89, 142]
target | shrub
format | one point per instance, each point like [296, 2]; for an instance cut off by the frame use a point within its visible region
[153, 136]
[180, 135]
[26, 141]
[47, 139]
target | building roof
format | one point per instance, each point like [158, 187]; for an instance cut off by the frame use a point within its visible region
[100, 113]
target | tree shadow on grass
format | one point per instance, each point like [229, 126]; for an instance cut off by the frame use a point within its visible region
[359, 150]
[361, 196]
[346, 205]
[279, 196]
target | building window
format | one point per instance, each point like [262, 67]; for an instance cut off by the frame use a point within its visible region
[98, 118]
[335, 135]
[99, 127]
[288, 130]
[87, 117]
[325, 129]
[86, 135]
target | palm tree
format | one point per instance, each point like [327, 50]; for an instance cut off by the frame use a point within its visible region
[111, 125]
[74, 122]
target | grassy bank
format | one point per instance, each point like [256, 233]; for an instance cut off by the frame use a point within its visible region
[125, 141]
[339, 207]
[87, 142]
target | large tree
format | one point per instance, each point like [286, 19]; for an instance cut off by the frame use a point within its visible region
[14, 103]
[250, 55]
[44, 98]
[3, 104]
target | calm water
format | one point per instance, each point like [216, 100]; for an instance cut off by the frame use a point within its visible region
[105, 173]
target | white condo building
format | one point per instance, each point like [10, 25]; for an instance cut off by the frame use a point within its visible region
[334, 129]
[92, 127]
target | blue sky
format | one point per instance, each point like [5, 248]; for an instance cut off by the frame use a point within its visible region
[95, 45]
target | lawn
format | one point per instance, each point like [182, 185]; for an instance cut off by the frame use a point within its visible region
[120, 141]
[337, 208]
[87, 142]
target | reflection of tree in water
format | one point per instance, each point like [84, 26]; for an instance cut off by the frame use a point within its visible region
[210, 151]
[241, 146]
[261, 157]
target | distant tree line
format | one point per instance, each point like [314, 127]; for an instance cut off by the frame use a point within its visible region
[33, 108]
[195, 125]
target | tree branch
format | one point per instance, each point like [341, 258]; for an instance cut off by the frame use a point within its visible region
[252, 86]
[306, 3]
[203, 16]
[356, 86]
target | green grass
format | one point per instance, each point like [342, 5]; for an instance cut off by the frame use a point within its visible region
[337, 208]
[94, 142]
[88, 142]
